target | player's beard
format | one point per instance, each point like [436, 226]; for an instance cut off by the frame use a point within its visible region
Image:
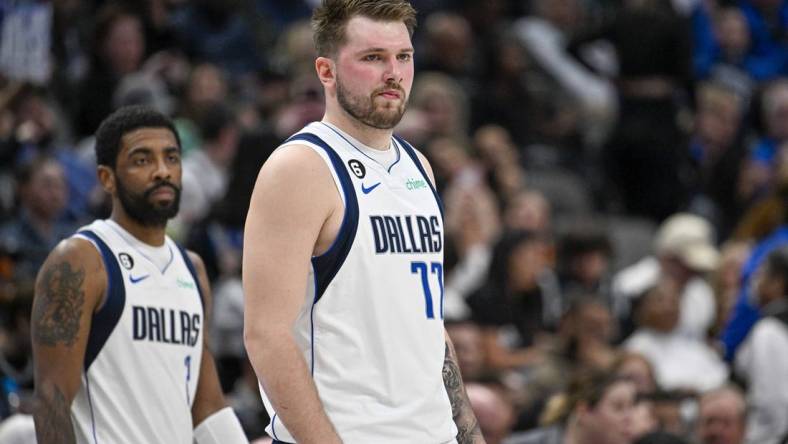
[366, 111]
[140, 208]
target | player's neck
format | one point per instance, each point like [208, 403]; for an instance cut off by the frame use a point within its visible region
[379, 139]
[150, 235]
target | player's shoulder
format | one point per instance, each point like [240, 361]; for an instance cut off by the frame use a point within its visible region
[78, 259]
[78, 251]
[293, 168]
[293, 155]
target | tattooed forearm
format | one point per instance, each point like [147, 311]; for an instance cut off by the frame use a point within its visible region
[53, 419]
[58, 305]
[468, 431]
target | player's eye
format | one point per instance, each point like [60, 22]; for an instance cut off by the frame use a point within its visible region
[371, 57]
[404, 57]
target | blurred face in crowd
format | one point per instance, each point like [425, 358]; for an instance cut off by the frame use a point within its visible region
[46, 194]
[636, 368]
[124, 48]
[449, 39]
[721, 419]
[374, 71]
[590, 267]
[718, 118]
[36, 120]
[148, 176]
[776, 111]
[469, 346]
[660, 307]
[528, 211]
[526, 263]
[494, 413]
[610, 420]
[732, 32]
[206, 86]
[594, 321]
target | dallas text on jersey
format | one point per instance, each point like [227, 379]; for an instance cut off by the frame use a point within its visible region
[399, 234]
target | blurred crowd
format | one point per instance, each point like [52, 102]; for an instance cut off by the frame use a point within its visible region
[614, 175]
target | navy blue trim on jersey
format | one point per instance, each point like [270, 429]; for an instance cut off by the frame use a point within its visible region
[328, 264]
[108, 316]
[412, 153]
[276, 441]
[193, 272]
[273, 426]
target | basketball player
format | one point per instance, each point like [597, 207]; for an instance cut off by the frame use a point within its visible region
[120, 311]
[343, 256]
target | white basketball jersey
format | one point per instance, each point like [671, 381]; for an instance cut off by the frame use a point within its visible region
[371, 327]
[143, 356]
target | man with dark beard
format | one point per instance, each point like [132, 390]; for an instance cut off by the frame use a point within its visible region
[343, 256]
[120, 311]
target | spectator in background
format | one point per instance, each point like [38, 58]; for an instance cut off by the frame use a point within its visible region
[745, 312]
[597, 408]
[528, 210]
[500, 157]
[583, 344]
[646, 157]
[757, 173]
[722, 416]
[506, 96]
[448, 48]
[723, 49]
[768, 23]
[119, 48]
[726, 281]
[685, 250]
[40, 129]
[438, 107]
[215, 31]
[637, 368]
[469, 345]
[763, 357]
[206, 170]
[38, 227]
[584, 262]
[493, 410]
[680, 363]
[206, 87]
[546, 35]
[471, 218]
[516, 305]
[717, 150]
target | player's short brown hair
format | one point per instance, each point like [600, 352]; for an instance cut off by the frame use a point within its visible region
[329, 20]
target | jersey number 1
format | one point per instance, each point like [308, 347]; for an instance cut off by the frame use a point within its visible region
[435, 268]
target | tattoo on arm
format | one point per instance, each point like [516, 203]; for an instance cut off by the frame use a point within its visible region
[58, 308]
[467, 426]
[53, 419]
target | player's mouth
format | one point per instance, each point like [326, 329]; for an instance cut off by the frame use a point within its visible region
[164, 191]
[391, 94]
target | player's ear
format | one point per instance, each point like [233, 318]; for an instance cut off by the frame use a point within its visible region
[326, 71]
[107, 178]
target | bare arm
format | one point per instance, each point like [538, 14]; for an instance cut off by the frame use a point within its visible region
[468, 431]
[69, 286]
[293, 199]
[208, 399]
